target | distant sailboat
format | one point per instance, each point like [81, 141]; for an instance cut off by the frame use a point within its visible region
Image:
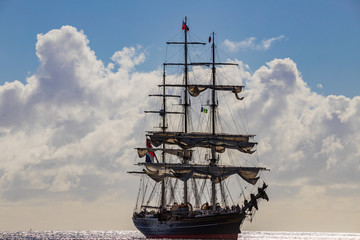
[174, 186]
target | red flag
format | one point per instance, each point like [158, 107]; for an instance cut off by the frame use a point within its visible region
[184, 26]
[209, 39]
[150, 155]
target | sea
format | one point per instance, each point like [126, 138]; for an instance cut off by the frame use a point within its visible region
[125, 235]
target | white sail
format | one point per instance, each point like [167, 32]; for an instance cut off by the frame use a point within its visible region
[195, 90]
[220, 141]
[181, 153]
[159, 171]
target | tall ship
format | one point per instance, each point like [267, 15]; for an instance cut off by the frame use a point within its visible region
[199, 177]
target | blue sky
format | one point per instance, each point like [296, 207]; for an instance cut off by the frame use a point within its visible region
[322, 37]
[74, 82]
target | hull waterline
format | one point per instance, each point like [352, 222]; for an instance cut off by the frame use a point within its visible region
[220, 226]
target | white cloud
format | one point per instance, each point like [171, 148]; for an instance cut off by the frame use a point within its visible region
[74, 119]
[251, 43]
[319, 129]
[266, 43]
[235, 46]
[126, 58]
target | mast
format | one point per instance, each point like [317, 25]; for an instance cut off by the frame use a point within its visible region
[163, 202]
[186, 105]
[213, 159]
[186, 96]
[213, 105]
[213, 109]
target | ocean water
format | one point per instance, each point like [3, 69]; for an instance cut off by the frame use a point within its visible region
[125, 235]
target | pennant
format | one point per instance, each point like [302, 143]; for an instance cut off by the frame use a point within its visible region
[204, 110]
[184, 26]
[150, 155]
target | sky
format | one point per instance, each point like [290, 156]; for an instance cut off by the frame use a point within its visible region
[74, 81]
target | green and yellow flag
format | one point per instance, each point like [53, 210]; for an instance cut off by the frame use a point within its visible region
[204, 110]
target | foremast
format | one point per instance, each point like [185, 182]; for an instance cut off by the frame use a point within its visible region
[214, 160]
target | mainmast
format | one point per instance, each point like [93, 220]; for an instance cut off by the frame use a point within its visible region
[186, 103]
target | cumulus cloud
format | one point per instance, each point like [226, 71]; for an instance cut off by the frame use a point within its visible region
[251, 43]
[127, 57]
[310, 139]
[69, 131]
[72, 122]
[304, 137]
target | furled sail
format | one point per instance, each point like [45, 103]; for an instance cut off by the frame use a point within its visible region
[159, 171]
[220, 141]
[181, 153]
[195, 90]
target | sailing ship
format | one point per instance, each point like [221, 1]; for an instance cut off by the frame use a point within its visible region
[184, 186]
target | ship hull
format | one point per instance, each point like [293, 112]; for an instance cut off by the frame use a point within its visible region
[219, 226]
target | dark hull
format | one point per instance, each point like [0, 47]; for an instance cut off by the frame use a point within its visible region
[219, 226]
